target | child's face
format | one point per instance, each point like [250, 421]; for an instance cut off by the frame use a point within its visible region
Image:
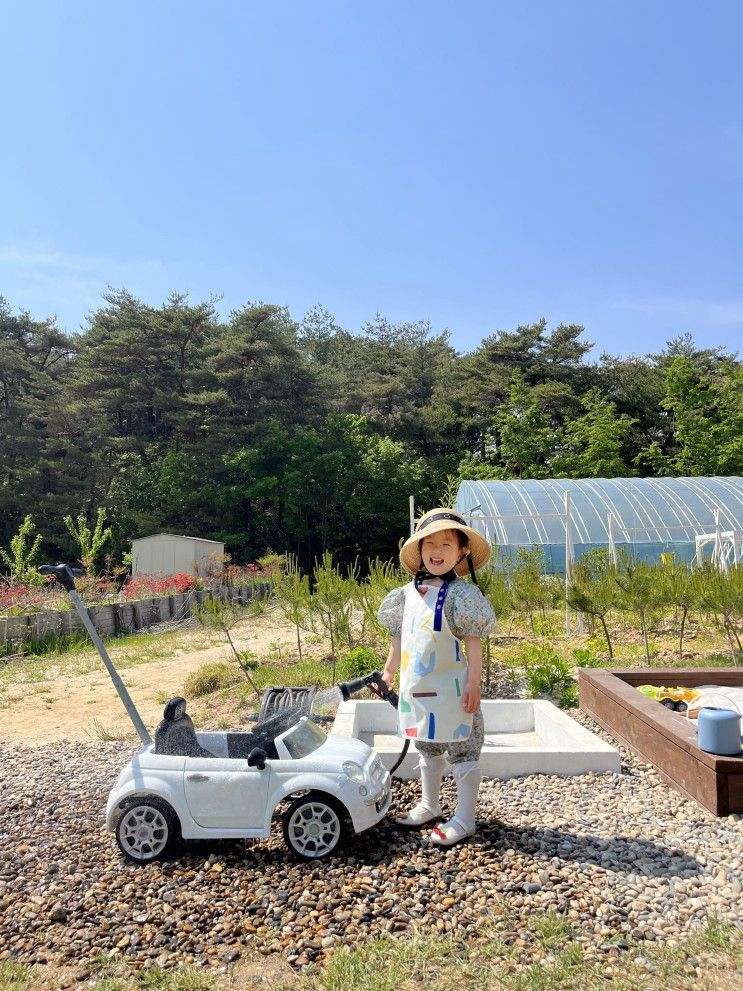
[441, 552]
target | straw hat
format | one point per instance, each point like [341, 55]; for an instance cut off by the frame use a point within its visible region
[444, 519]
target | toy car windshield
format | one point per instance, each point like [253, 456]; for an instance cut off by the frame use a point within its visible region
[302, 739]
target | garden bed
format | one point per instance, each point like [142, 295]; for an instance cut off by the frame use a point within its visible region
[666, 739]
[121, 618]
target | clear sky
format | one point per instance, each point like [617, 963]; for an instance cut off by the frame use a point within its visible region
[475, 164]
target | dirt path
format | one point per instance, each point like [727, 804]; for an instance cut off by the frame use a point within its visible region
[77, 706]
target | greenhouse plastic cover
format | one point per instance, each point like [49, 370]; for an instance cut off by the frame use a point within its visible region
[651, 516]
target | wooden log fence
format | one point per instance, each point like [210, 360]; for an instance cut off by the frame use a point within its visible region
[114, 619]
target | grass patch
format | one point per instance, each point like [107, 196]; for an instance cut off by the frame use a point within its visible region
[211, 678]
[15, 977]
[105, 734]
[81, 657]
[440, 963]
[305, 672]
[711, 960]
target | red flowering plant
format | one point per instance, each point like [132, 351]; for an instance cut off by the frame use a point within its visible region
[147, 587]
[17, 598]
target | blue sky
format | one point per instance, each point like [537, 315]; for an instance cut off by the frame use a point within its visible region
[478, 165]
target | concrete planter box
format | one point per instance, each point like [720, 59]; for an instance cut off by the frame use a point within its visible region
[16, 628]
[528, 736]
[71, 622]
[125, 618]
[103, 619]
[180, 608]
[43, 624]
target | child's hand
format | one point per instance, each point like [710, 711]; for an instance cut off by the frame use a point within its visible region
[471, 699]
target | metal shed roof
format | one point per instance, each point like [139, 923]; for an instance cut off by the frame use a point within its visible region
[178, 536]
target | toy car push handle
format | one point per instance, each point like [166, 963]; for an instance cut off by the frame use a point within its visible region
[374, 682]
[66, 575]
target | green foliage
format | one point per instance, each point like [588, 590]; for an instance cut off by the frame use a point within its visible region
[547, 674]
[527, 437]
[358, 662]
[584, 657]
[291, 591]
[594, 445]
[640, 592]
[332, 603]
[495, 586]
[680, 588]
[551, 680]
[21, 560]
[89, 541]
[218, 615]
[382, 578]
[531, 589]
[720, 593]
[593, 589]
[15, 976]
[210, 678]
[706, 416]
[187, 423]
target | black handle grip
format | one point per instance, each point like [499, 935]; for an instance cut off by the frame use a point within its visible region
[64, 574]
[373, 681]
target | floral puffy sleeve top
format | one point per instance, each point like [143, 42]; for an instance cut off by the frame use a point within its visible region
[467, 611]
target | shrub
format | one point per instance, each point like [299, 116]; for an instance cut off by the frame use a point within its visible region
[357, 662]
[210, 678]
[584, 657]
[145, 586]
[548, 675]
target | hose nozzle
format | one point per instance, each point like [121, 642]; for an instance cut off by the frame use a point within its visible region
[374, 682]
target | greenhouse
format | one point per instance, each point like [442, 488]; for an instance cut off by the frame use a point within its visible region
[689, 518]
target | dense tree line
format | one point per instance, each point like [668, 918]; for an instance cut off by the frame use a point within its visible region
[300, 436]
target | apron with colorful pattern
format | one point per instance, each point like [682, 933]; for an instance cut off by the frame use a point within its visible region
[433, 670]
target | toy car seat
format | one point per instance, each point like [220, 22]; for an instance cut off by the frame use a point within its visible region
[176, 734]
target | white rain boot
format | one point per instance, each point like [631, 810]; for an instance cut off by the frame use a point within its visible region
[467, 776]
[428, 810]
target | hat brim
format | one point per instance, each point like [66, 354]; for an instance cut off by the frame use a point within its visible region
[479, 549]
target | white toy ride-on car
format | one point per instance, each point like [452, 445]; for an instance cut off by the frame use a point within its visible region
[227, 785]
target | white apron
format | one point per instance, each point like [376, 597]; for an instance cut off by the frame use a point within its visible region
[433, 671]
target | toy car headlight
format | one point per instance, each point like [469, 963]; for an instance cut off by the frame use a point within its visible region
[353, 770]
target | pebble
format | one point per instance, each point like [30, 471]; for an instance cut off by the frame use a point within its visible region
[620, 856]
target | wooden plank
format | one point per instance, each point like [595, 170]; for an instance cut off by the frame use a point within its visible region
[655, 716]
[675, 765]
[683, 677]
[663, 739]
[669, 723]
[734, 792]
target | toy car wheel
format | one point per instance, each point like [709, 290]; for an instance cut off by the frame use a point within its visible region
[314, 826]
[681, 706]
[147, 830]
[668, 703]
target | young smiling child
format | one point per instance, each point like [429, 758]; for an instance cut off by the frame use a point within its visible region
[429, 619]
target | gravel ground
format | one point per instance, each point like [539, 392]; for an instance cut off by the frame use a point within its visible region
[621, 856]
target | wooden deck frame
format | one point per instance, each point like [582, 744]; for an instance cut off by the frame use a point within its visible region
[663, 738]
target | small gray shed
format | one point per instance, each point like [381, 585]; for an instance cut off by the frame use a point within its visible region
[165, 554]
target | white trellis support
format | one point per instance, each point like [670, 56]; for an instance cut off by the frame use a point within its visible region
[612, 544]
[727, 546]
